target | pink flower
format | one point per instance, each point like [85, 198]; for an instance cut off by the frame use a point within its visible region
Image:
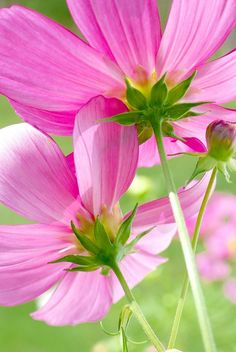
[219, 236]
[48, 73]
[38, 182]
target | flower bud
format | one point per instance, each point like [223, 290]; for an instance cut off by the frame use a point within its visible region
[221, 140]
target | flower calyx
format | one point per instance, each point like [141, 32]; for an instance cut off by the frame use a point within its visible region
[160, 104]
[102, 251]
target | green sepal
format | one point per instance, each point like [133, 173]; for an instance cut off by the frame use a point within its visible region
[222, 167]
[127, 118]
[125, 228]
[76, 259]
[204, 164]
[85, 241]
[168, 131]
[130, 246]
[135, 98]
[101, 237]
[159, 93]
[179, 91]
[144, 132]
[84, 268]
[177, 111]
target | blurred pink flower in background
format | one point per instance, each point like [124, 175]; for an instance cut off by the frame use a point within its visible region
[219, 235]
[37, 182]
[51, 72]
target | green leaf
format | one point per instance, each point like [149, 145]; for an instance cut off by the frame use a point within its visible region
[76, 259]
[101, 237]
[176, 93]
[84, 268]
[127, 118]
[125, 228]
[159, 93]
[135, 98]
[85, 241]
[177, 111]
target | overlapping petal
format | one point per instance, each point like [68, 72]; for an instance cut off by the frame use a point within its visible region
[194, 31]
[45, 66]
[159, 211]
[35, 180]
[215, 81]
[80, 297]
[105, 154]
[128, 31]
[25, 251]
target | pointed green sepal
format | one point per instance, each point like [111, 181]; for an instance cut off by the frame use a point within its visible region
[127, 118]
[179, 91]
[144, 132]
[176, 112]
[101, 237]
[223, 168]
[168, 131]
[135, 98]
[76, 259]
[204, 164]
[159, 92]
[85, 241]
[84, 268]
[130, 246]
[125, 228]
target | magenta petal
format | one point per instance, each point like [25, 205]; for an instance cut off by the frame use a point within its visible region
[80, 298]
[215, 81]
[105, 154]
[134, 268]
[212, 268]
[25, 252]
[57, 122]
[194, 31]
[45, 66]
[35, 180]
[159, 211]
[128, 31]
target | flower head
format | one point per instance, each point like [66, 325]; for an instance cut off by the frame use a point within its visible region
[40, 183]
[51, 73]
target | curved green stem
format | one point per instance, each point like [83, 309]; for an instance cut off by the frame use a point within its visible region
[137, 311]
[199, 300]
[184, 291]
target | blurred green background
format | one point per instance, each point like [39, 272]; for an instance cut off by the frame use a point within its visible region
[157, 294]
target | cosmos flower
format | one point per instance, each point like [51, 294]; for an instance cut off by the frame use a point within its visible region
[48, 73]
[38, 182]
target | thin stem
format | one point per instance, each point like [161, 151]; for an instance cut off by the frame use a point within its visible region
[199, 300]
[185, 287]
[137, 310]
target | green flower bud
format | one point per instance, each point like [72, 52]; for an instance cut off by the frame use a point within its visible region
[221, 140]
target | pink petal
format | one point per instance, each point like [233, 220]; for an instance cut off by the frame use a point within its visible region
[57, 122]
[194, 31]
[159, 211]
[215, 81]
[80, 298]
[128, 31]
[148, 154]
[212, 268]
[134, 268]
[35, 180]
[25, 252]
[45, 66]
[105, 154]
[230, 290]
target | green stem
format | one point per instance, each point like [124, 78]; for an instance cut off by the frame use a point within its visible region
[199, 300]
[184, 291]
[137, 311]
